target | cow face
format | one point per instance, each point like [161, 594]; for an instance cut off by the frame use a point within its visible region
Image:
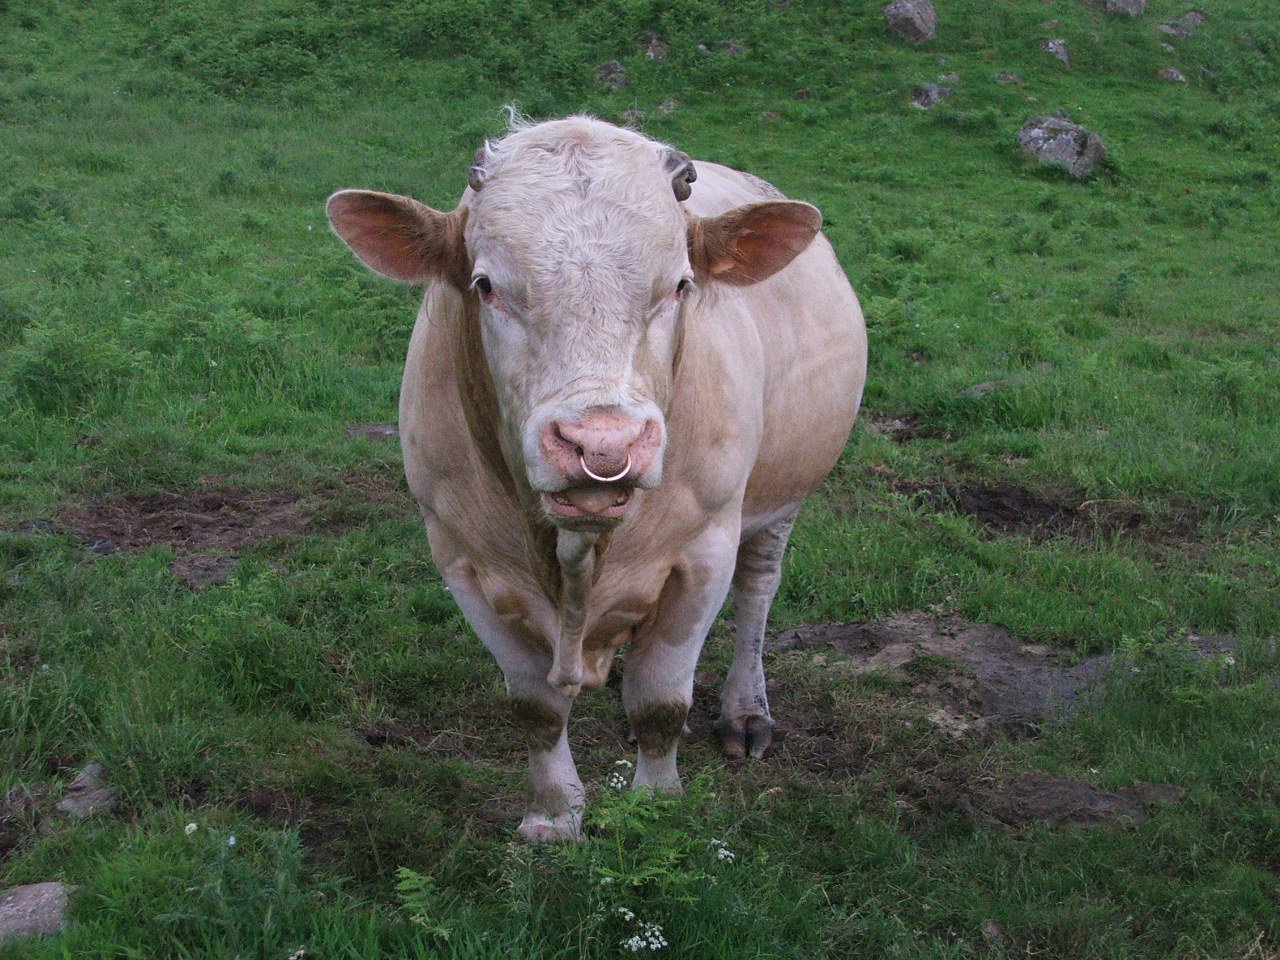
[579, 265]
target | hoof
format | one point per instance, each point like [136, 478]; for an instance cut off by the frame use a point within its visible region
[741, 737]
[539, 828]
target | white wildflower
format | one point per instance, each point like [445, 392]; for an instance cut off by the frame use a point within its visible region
[723, 852]
[231, 840]
[191, 828]
[298, 954]
[1228, 661]
[624, 764]
[626, 914]
[605, 881]
[616, 781]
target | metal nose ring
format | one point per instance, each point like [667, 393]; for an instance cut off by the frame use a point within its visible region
[595, 476]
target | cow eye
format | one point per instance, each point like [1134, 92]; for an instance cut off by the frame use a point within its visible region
[482, 284]
[683, 285]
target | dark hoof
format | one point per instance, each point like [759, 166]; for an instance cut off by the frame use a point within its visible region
[742, 737]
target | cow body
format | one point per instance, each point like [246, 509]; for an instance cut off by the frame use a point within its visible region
[763, 385]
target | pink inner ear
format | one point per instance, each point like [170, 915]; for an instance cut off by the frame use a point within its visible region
[387, 232]
[766, 240]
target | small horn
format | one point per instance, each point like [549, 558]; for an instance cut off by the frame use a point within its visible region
[476, 175]
[683, 173]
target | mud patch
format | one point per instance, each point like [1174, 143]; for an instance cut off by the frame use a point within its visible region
[207, 528]
[203, 570]
[1059, 801]
[1010, 509]
[1002, 681]
[205, 520]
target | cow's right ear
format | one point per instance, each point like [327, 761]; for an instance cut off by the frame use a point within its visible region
[400, 237]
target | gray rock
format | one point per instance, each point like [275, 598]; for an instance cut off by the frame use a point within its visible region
[653, 46]
[1193, 18]
[610, 74]
[37, 908]
[928, 95]
[1060, 142]
[950, 78]
[666, 106]
[913, 20]
[1174, 29]
[733, 48]
[1058, 48]
[1007, 78]
[1173, 75]
[88, 793]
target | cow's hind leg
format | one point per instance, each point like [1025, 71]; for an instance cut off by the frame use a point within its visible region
[745, 727]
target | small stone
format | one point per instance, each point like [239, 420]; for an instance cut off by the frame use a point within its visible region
[1193, 18]
[1007, 78]
[950, 78]
[702, 48]
[1174, 29]
[1168, 47]
[770, 114]
[927, 95]
[1058, 48]
[1173, 75]
[913, 20]
[37, 908]
[610, 74]
[733, 48]
[653, 46]
[666, 106]
[88, 793]
[633, 118]
[1057, 141]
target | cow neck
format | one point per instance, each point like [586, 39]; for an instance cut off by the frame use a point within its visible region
[480, 409]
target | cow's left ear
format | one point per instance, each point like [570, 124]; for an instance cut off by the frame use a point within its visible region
[751, 243]
[400, 237]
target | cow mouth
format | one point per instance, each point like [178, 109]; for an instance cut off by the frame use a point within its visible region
[595, 501]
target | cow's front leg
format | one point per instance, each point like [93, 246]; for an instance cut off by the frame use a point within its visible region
[540, 713]
[657, 683]
[745, 727]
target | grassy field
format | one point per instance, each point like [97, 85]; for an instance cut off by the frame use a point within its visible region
[1072, 430]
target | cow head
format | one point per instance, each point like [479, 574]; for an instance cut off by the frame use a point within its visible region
[574, 257]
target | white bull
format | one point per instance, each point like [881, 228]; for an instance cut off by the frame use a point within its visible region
[620, 389]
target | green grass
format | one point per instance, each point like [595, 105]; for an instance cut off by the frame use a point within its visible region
[174, 314]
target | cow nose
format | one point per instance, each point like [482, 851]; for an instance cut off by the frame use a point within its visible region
[604, 445]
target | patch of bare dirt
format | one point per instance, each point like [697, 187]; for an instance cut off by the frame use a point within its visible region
[1012, 509]
[223, 519]
[1001, 681]
[203, 570]
[206, 528]
[1037, 797]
